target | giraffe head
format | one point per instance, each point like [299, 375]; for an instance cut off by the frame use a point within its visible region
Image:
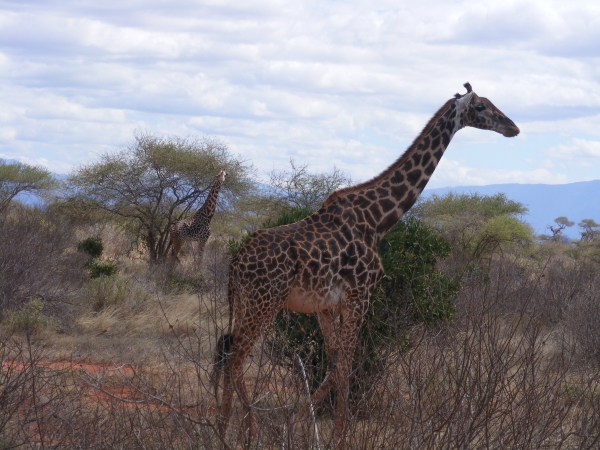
[222, 175]
[479, 112]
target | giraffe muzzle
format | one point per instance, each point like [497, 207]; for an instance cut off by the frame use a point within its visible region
[510, 129]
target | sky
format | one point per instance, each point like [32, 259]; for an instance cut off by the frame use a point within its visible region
[348, 84]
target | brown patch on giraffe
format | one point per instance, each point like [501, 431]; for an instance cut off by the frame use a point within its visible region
[399, 191]
[414, 176]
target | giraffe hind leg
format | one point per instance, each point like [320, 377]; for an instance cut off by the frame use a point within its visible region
[243, 342]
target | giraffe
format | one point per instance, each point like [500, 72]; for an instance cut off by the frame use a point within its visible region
[197, 227]
[327, 264]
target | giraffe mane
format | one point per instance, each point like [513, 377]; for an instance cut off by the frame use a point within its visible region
[387, 172]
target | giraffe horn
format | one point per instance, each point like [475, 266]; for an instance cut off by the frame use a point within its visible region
[468, 86]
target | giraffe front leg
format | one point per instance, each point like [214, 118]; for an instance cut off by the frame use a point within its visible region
[176, 245]
[200, 253]
[341, 381]
[352, 317]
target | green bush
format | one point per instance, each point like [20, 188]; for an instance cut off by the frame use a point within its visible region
[291, 215]
[233, 245]
[477, 226]
[100, 269]
[409, 254]
[92, 246]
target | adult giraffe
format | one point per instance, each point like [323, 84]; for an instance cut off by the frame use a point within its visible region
[327, 264]
[197, 227]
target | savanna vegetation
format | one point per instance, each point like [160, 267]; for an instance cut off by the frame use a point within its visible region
[480, 335]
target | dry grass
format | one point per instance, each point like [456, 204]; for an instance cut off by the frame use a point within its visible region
[517, 368]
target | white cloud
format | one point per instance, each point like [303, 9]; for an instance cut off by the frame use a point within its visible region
[345, 83]
[580, 151]
[453, 173]
[563, 127]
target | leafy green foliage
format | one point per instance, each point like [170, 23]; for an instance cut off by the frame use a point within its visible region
[453, 204]
[92, 246]
[100, 268]
[477, 226]
[289, 215]
[233, 245]
[412, 291]
[409, 254]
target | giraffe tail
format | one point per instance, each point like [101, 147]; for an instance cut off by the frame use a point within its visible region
[223, 350]
[225, 342]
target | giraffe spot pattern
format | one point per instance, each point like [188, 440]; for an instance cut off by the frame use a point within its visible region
[414, 176]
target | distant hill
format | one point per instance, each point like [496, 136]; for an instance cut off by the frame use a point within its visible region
[546, 202]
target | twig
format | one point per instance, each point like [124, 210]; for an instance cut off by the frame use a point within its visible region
[310, 405]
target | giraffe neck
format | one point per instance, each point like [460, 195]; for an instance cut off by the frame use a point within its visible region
[207, 211]
[381, 202]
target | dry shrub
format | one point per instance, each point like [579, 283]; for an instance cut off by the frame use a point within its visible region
[157, 300]
[117, 243]
[38, 261]
[505, 373]
[29, 319]
[104, 292]
[582, 312]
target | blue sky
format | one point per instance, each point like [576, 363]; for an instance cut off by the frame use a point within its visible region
[344, 83]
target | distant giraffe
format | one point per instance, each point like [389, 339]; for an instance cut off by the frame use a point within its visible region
[197, 227]
[327, 264]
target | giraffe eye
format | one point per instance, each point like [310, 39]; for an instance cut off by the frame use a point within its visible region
[479, 108]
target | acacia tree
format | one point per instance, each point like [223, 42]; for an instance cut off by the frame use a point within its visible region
[590, 230]
[557, 231]
[477, 226]
[156, 181]
[17, 177]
